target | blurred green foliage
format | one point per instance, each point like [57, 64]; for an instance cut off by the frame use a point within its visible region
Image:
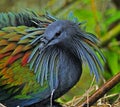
[101, 17]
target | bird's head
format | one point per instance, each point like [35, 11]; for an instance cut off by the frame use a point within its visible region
[59, 33]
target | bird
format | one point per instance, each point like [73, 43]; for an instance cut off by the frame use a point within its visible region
[41, 57]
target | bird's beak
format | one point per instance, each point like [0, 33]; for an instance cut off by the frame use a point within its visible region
[43, 43]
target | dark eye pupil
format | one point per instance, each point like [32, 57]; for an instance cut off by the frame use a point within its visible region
[57, 34]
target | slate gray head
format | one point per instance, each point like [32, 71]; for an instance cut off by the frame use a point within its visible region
[68, 35]
[60, 32]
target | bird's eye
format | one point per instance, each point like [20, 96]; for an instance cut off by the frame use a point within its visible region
[58, 34]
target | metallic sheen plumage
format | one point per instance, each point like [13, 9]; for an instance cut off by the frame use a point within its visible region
[40, 54]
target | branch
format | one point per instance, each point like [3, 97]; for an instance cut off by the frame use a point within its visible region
[101, 91]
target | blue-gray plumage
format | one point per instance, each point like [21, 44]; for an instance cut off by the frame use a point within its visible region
[58, 48]
[59, 55]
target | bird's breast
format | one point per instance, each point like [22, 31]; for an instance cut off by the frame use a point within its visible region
[70, 70]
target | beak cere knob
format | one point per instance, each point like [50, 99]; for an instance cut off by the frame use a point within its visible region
[42, 45]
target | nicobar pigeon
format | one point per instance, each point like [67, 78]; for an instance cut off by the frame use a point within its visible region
[41, 57]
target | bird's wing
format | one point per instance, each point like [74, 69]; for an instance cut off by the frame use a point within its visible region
[16, 78]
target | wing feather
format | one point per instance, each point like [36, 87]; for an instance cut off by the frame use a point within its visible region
[18, 55]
